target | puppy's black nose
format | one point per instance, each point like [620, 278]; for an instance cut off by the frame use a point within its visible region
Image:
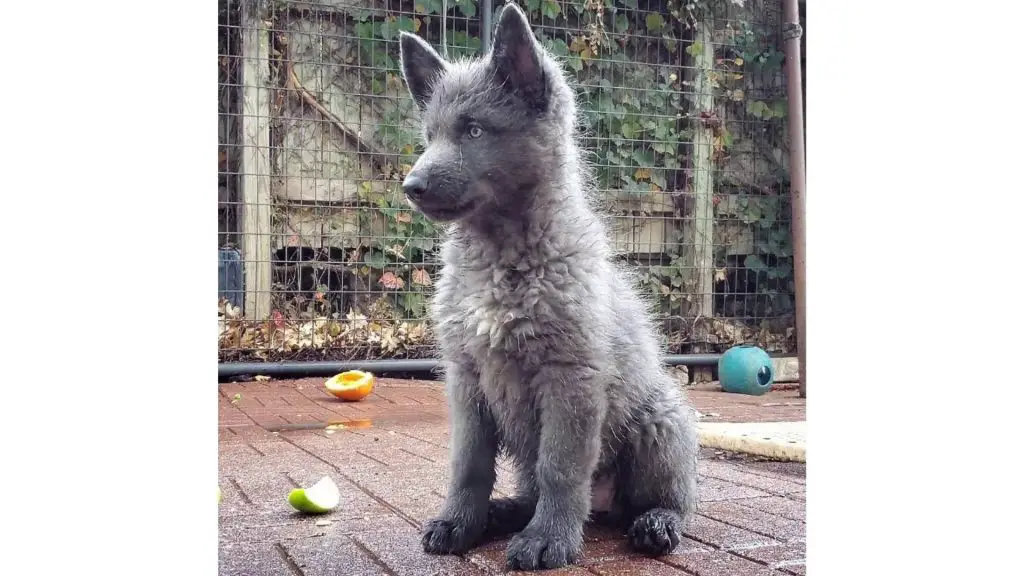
[414, 186]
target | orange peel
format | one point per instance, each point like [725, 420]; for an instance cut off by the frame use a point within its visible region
[351, 386]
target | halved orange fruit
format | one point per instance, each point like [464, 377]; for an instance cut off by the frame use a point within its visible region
[351, 386]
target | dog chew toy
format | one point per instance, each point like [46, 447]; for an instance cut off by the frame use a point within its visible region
[746, 369]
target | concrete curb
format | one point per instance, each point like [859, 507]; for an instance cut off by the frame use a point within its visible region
[787, 369]
[777, 440]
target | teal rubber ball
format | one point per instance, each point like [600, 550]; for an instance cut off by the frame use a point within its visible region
[746, 369]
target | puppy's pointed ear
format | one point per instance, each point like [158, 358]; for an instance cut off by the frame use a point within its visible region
[421, 67]
[515, 57]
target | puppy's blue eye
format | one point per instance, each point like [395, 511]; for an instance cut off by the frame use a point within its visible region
[475, 131]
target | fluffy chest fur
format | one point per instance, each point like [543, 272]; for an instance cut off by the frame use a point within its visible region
[508, 307]
[508, 292]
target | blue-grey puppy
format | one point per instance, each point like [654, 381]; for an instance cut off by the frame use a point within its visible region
[550, 354]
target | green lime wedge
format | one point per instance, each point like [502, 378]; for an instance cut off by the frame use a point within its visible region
[317, 499]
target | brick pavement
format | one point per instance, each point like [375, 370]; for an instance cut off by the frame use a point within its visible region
[389, 461]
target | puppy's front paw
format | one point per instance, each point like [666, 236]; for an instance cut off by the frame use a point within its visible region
[655, 532]
[442, 536]
[535, 550]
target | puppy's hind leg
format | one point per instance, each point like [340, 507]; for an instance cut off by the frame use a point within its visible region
[510, 515]
[658, 481]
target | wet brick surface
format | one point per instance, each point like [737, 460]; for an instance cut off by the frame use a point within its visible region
[388, 455]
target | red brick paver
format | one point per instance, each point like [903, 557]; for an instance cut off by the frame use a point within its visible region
[389, 459]
[780, 406]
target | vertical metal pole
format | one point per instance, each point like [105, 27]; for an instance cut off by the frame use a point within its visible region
[791, 33]
[486, 24]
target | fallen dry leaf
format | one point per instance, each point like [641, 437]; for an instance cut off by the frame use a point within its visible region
[391, 282]
[396, 251]
[278, 318]
[290, 331]
[421, 277]
[236, 398]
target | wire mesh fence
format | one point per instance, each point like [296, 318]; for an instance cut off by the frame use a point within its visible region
[684, 118]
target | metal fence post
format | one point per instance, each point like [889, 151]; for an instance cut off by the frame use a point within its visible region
[486, 25]
[791, 34]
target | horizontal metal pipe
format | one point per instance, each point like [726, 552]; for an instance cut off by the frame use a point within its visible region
[692, 359]
[330, 368]
[322, 368]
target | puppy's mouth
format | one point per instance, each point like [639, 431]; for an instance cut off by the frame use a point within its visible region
[445, 213]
